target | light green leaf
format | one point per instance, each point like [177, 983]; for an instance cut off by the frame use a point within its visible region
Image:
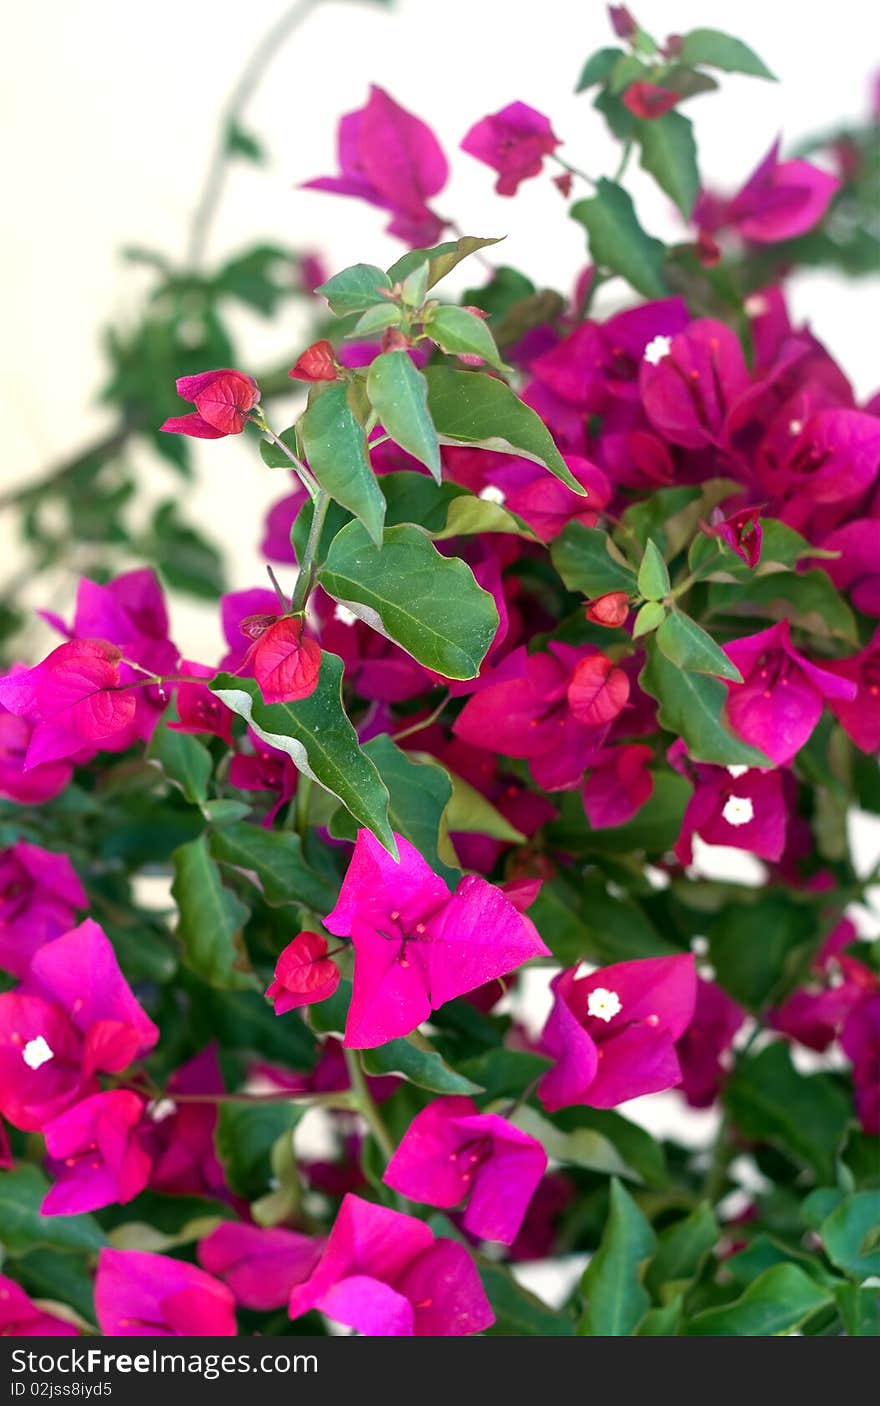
[398, 393]
[376, 319]
[597, 68]
[441, 259]
[211, 919]
[653, 573]
[686, 644]
[336, 448]
[669, 154]
[717, 50]
[618, 242]
[652, 614]
[427, 603]
[355, 289]
[612, 1287]
[184, 760]
[460, 332]
[316, 733]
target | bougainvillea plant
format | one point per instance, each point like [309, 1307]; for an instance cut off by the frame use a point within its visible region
[345, 975]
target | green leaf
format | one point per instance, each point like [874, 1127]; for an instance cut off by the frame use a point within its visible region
[470, 813]
[640, 1156]
[184, 760]
[376, 319]
[243, 143]
[419, 792]
[806, 598]
[246, 1134]
[427, 603]
[686, 644]
[441, 259]
[682, 1249]
[259, 278]
[758, 974]
[850, 1235]
[691, 707]
[618, 242]
[275, 858]
[662, 1322]
[316, 733]
[58, 1275]
[583, 557]
[653, 577]
[470, 407]
[519, 1314]
[803, 1115]
[504, 1073]
[652, 614]
[574, 1147]
[459, 332]
[775, 1304]
[245, 1021]
[355, 289]
[211, 919]
[336, 448]
[23, 1228]
[416, 1061]
[669, 154]
[415, 286]
[597, 68]
[275, 458]
[653, 829]
[616, 1299]
[717, 50]
[398, 392]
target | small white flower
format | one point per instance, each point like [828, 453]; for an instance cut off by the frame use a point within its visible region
[160, 1109]
[657, 348]
[37, 1052]
[603, 1004]
[492, 494]
[738, 810]
[344, 615]
[736, 770]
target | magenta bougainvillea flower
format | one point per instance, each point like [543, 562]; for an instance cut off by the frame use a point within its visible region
[26, 785]
[95, 1154]
[304, 974]
[703, 1047]
[222, 399]
[39, 897]
[828, 456]
[860, 1040]
[317, 363]
[514, 142]
[141, 1295]
[689, 383]
[386, 1275]
[416, 945]
[780, 200]
[860, 716]
[75, 1016]
[741, 807]
[180, 1136]
[452, 1153]
[20, 1317]
[816, 1013]
[742, 531]
[284, 661]
[779, 702]
[856, 569]
[391, 159]
[199, 710]
[649, 101]
[618, 784]
[261, 1266]
[613, 1033]
[73, 700]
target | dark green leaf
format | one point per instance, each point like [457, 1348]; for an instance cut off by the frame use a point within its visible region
[682, 1248]
[518, 1314]
[804, 1115]
[717, 50]
[355, 289]
[336, 448]
[419, 1064]
[669, 154]
[612, 1286]
[759, 974]
[806, 598]
[583, 558]
[23, 1228]
[775, 1304]
[686, 644]
[275, 857]
[246, 1134]
[851, 1234]
[398, 393]
[618, 242]
[184, 760]
[691, 707]
[211, 919]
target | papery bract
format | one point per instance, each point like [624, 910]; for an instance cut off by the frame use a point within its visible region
[142, 1295]
[20, 1317]
[780, 200]
[222, 400]
[96, 1154]
[73, 699]
[702, 1048]
[514, 142]
[617, 785]
[648, 100]
[689, 388]
[284, 661]
[316, 363]
[260, 1265]
[39, 897]
[742, 532]
[303, 974]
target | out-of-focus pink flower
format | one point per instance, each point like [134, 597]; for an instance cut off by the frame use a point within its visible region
[180, 1136]
[856, 569]
[452, 1153]
[780, 200]
[261, 1266]
[385, 1275]
[222, 400]
[860, 716]
[391, 159]
[39, 897]
[304, 974]
[702, 1048]
[18, 782]
[816, 1013]
[199, 710]
[73, 700]
[514, 142]
[96, 1154]
[20, 1317]
[618, 784]
[613, 1033]
[689, 383]
[649, 101]
[141, 1295]
[861, 1043]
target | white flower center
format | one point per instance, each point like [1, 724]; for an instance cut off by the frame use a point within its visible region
[603, 1004]
[756, 305]
[795, 426]
[160, 1109]
[736, 771]
[37, 1052]
[657, 348]
[344, 615]
[738, 810]
[492, 494]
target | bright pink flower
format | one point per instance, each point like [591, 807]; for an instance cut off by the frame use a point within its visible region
[416, 945]
[827, 456]
[199, 710]
[19, 783]
[222, 400]
[75, 1016]
[857, 569]
[235, 608]
[860, 716]
[610, 610]
[451, 1153]
[514, 142]
[816, 1013]
[391, 159]
[743, 811]
[648, 100]
[304, 974]
[97, 1156]
[779, 702]
[613, 1033]
[20, 1317]
[780, 200]
[39, 896]
[861, 1043]
[317, 363]
[689, 384]
[537, 1236]
[260, 1266]
[543, 502]
[618, 784]
[285, 662]
[703, 1046]
[386, 1275]
[597, 690]
[277, 527]
[180, 1136]
[742, 531]
[73, 700]
[139, 1295]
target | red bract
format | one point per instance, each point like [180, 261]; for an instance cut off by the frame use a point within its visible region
[514, 142]
[611, 609]
[285, 662]
[303, 974]
[648, 100]
[597, 691]
[222, 400]
[317, 363]
[742, 532]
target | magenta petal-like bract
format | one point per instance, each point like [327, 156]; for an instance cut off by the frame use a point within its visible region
[98, 1158]
[514, 142]
[20, 1317]
[143, 1295]
[261, 1265]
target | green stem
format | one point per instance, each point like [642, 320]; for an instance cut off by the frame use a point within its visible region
[306, 477]
[362, 1100]
[624, 162]
[306, 578]
[572, 170]
[301, 805]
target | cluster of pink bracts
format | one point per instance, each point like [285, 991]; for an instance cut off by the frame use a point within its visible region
[678, 404]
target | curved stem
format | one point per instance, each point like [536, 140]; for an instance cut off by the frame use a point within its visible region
[572, 170]
[362, 1100]
[306, 477]
[305, 579]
